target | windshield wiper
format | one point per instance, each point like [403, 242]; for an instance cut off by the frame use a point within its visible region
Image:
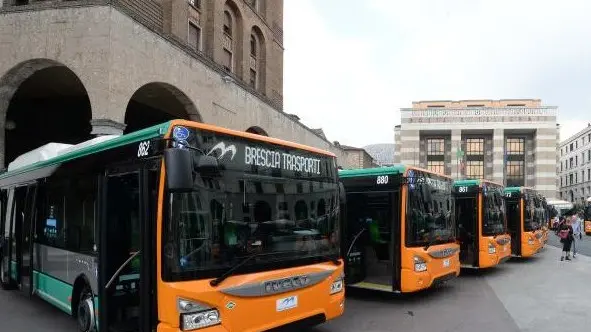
[233, 269]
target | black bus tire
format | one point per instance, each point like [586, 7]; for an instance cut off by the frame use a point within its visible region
[85, 312]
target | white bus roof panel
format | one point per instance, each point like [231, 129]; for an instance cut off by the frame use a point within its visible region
[52, 150]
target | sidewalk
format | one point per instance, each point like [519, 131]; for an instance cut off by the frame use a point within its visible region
[543, 294]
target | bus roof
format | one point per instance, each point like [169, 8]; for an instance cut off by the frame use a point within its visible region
[70, 152]
[517, 189]
[398, 169]
[474, 182]
[56, 153]
[389, 170]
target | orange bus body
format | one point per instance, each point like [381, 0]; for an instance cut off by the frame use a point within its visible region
[411, 280]
[257, 313]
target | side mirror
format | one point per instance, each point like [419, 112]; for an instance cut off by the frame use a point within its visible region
[179, 170]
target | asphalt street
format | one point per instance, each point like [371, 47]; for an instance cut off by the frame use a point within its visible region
[520, 295]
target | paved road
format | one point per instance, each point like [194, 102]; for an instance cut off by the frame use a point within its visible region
[583, 246]
[530, 295]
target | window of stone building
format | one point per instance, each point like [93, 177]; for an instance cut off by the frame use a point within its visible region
[475, 169]
[515, 173]
[228, 23]
[515, 146]
[437, 166]
[253, 46]
[435, 146]
[475, 146]
[194, 36]
[588, 174]
[195, 3]
[570, 179]
[570, 162]
[253, 78]
[227, 60]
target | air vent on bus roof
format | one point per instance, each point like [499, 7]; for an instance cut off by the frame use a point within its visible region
[52, 150]
[44, 152]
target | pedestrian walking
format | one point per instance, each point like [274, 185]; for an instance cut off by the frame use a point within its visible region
[577, 226]
[566, 238]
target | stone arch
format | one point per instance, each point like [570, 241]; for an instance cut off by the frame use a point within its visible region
[257, 130]
[235, 35]
[41, 101]
[259, 58]
[158, 102]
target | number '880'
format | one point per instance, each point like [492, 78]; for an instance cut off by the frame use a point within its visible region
[382, 179]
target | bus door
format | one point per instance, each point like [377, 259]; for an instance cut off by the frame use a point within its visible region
[514, 221]
[24, 202]
[373, 240]
[467, 228]
[125, 276]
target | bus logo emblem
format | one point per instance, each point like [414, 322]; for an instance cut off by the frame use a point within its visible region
[223, 149]
[230, 305]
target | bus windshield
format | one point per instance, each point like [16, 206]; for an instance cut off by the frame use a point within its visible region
[493, 212]
[532, 220]
[237, 211]
[429, 218]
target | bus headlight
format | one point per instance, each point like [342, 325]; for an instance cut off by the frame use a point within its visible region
[420, 264]
[491, 248]
[199, 320]
[336, 286]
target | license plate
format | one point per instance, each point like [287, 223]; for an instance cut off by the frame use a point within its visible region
[446, 262]
[287, 303]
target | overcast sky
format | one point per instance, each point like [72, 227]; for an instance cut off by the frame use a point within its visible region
[351, 65]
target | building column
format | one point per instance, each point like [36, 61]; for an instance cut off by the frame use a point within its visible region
[498, 156]
[456, 143]
[410, 147]
[545, 171]
[397, 145]
[102, 127]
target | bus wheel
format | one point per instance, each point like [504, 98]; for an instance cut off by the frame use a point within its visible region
[85, 311]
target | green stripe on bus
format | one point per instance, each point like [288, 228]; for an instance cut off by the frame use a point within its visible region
[53, 291]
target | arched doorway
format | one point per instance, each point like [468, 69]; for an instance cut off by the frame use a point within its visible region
[156, 103]
[42, 101]
[257, 130]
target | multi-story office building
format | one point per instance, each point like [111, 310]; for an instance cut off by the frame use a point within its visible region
[574, 168]
[509, 141]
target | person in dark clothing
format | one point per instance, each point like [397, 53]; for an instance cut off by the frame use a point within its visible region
[566, 237]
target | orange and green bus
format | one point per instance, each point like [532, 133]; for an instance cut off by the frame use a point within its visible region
[180, 226]
[481, 223]
[399, 231]
[524, 221]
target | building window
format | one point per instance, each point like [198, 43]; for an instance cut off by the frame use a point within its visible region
[253, 46]
[561, 182]
[228, 23]
[195, 3]
[436, 166]
[515, 146]
[194, 36]
[588, 174]
[475, 169]
[475, 146]
[570, 179]
[570, 162]
[253, 78]
[576, 177]
[571, 146]
[227, 60]
[515, 173]
[576, 160]
[435, 146]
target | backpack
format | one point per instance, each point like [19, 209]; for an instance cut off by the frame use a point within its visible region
[563, 234]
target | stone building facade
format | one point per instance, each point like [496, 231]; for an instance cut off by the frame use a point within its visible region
[73, 69]
[509, 141]
[574, 168]
[357, 158]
